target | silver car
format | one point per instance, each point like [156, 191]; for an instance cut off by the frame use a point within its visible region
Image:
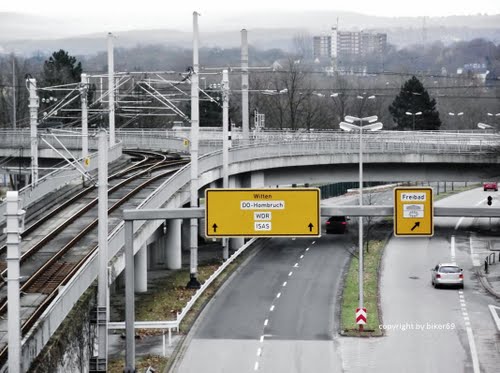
[447, 274]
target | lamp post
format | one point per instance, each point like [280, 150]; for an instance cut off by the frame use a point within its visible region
[372, 126]
[413, 115]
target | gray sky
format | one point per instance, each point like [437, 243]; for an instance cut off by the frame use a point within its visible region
[128, 14]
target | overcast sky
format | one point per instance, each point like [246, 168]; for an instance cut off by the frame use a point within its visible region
[128, 14]
[372, 7]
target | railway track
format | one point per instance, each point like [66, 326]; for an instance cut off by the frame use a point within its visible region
[55, 246]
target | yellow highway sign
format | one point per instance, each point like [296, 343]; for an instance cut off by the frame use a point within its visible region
[268, 212]
[413, 212]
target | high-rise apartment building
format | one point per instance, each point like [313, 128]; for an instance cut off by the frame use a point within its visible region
[348, 43]
[322, 46]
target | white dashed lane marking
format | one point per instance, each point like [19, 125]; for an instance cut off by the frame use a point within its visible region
[271, 309]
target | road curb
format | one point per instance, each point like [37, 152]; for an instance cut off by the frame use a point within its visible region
[485, 283]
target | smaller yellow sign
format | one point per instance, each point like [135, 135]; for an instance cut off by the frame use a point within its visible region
[86, 161]
[185, 142]
[413, 212]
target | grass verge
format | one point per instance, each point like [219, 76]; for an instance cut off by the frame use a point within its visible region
[350, 300]
[167, 298]
[450, 191]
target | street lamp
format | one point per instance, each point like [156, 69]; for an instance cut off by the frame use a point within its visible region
[372, 126]
[363, 97]
[413, 115]
[451, 114]
[274, 92]
[494, 115]
[484, 126]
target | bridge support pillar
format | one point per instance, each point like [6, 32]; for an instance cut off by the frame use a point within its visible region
[174, 257]
[141, 270]
[257, 179]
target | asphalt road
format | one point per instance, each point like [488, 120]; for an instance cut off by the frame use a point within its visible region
[431, 330]
[279, 313]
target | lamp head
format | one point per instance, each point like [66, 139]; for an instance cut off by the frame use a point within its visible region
[351, 119]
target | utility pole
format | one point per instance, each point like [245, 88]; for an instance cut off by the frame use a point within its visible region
[15, 225]
[100, 363]
[33, 106]
[111, 88]
[244, 86]
[193, 281]
[85, 127]
[225, 147]
[14, 114]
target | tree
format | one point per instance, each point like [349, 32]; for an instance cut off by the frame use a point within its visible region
[59, 69]
[414, 98]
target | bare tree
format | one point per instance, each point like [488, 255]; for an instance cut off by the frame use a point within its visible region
[302, 45]
[19, 67]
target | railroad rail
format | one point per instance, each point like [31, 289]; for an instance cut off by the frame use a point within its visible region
[49, 262]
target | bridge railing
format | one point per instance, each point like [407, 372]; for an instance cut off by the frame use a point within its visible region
[388, 141]
[57, 179]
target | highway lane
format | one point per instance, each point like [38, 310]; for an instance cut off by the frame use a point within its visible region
[277, 314]
[248, 327]
[455, 331]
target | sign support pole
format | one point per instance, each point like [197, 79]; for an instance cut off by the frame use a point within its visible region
[193, 281]
[225, 147]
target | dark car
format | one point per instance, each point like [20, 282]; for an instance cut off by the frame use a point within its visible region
[337, 224]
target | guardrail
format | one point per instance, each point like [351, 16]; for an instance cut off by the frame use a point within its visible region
[174, 324]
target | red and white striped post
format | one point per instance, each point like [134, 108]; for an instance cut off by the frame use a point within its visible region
[361, 317]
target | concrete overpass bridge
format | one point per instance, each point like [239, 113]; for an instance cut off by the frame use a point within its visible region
[280, 159]
[388, 155]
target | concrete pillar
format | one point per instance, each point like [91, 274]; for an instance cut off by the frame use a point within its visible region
[141, 270]
[236, 242]
[174, 257]
[257, 179]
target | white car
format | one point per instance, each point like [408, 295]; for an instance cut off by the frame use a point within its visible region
[447, 274]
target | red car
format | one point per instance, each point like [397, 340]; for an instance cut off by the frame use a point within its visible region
[490, 185]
